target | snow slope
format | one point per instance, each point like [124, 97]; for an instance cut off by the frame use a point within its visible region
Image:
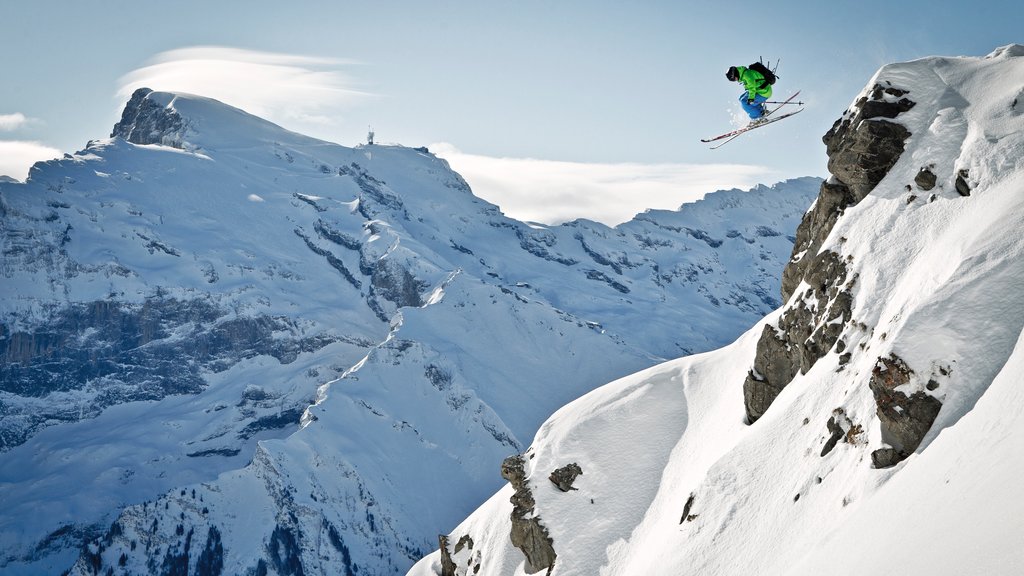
[305, 348]
[676, 482]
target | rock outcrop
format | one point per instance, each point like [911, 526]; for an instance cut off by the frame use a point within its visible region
[905, 418]
[862, 147]
[449, 565]
[808, 329]
[147, 122]
[565, 476]
[528, 534]
[134, 353]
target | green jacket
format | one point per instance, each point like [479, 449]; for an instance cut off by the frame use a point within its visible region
[752, 81]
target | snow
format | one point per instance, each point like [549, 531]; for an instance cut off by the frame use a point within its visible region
[954, 509]
[938, 283]
[409, 409]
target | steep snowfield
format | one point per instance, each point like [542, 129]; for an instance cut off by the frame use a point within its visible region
[675, 482]
[176, 298]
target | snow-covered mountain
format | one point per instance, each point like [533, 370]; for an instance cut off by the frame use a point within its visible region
[280, 355]
[871, 425]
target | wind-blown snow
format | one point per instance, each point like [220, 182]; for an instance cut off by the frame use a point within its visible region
[939, 281]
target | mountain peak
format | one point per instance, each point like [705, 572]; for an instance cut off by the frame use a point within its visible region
[148, 119]
[190, 122]
[1008, 51]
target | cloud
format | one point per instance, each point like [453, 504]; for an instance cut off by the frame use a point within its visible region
[551, 192]
[303, 93]
[16, 157]
[11, 122]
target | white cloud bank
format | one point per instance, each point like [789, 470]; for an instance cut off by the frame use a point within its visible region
[16, 157]
[551, 192]
[11, 122]
[302, 93]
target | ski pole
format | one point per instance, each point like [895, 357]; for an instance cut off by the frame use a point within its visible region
[778, 102]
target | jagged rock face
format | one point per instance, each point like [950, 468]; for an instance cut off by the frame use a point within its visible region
[396, 284]
[806, 331]
[528, 534]
[133, 353]
[146, 122]
[449, 565]
[813, 229]
[905, 419]
[862, 147]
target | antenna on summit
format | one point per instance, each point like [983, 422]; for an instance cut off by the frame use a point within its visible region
[369, 137]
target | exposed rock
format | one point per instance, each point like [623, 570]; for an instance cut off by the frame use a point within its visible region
[862, 147]
[840, 427]
[453, 562]
[837, 434]
[925, 179]
[565, 476]
[881, 104]
[961, 183]
[528, 534]
[447, 564]
[861, 150]
[133, 353]
[887, 457]
[687, 517]
[464, 542]
[806, 331]
[147, 122]
[905, 419]
[394, 283]
[814, 228]
[774, 368]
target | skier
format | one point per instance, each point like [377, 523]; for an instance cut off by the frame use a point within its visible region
[757, 90]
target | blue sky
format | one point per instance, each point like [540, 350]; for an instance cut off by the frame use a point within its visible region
[551, 109]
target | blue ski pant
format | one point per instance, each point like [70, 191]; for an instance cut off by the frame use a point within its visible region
[753, 110]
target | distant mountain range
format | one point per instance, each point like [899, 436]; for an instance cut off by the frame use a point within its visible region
[229, 348]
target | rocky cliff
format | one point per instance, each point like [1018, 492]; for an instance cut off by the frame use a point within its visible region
[850, 430]
[862, 148]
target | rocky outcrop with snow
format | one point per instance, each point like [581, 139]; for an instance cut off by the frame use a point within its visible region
[870, 424]
[228, 345]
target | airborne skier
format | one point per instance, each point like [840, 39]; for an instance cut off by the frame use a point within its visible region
[757, 87]
[757, 80]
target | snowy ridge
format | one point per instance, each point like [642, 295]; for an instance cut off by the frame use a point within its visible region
[304, 354]
[828, 479]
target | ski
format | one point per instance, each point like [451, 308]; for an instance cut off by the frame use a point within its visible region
[735, 133]
[747, 128]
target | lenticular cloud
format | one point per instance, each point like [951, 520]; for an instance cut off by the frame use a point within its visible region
[293, 90]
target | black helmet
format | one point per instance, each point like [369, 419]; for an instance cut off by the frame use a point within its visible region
[733, 74]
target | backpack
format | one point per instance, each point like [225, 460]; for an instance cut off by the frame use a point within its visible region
[769, 76]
